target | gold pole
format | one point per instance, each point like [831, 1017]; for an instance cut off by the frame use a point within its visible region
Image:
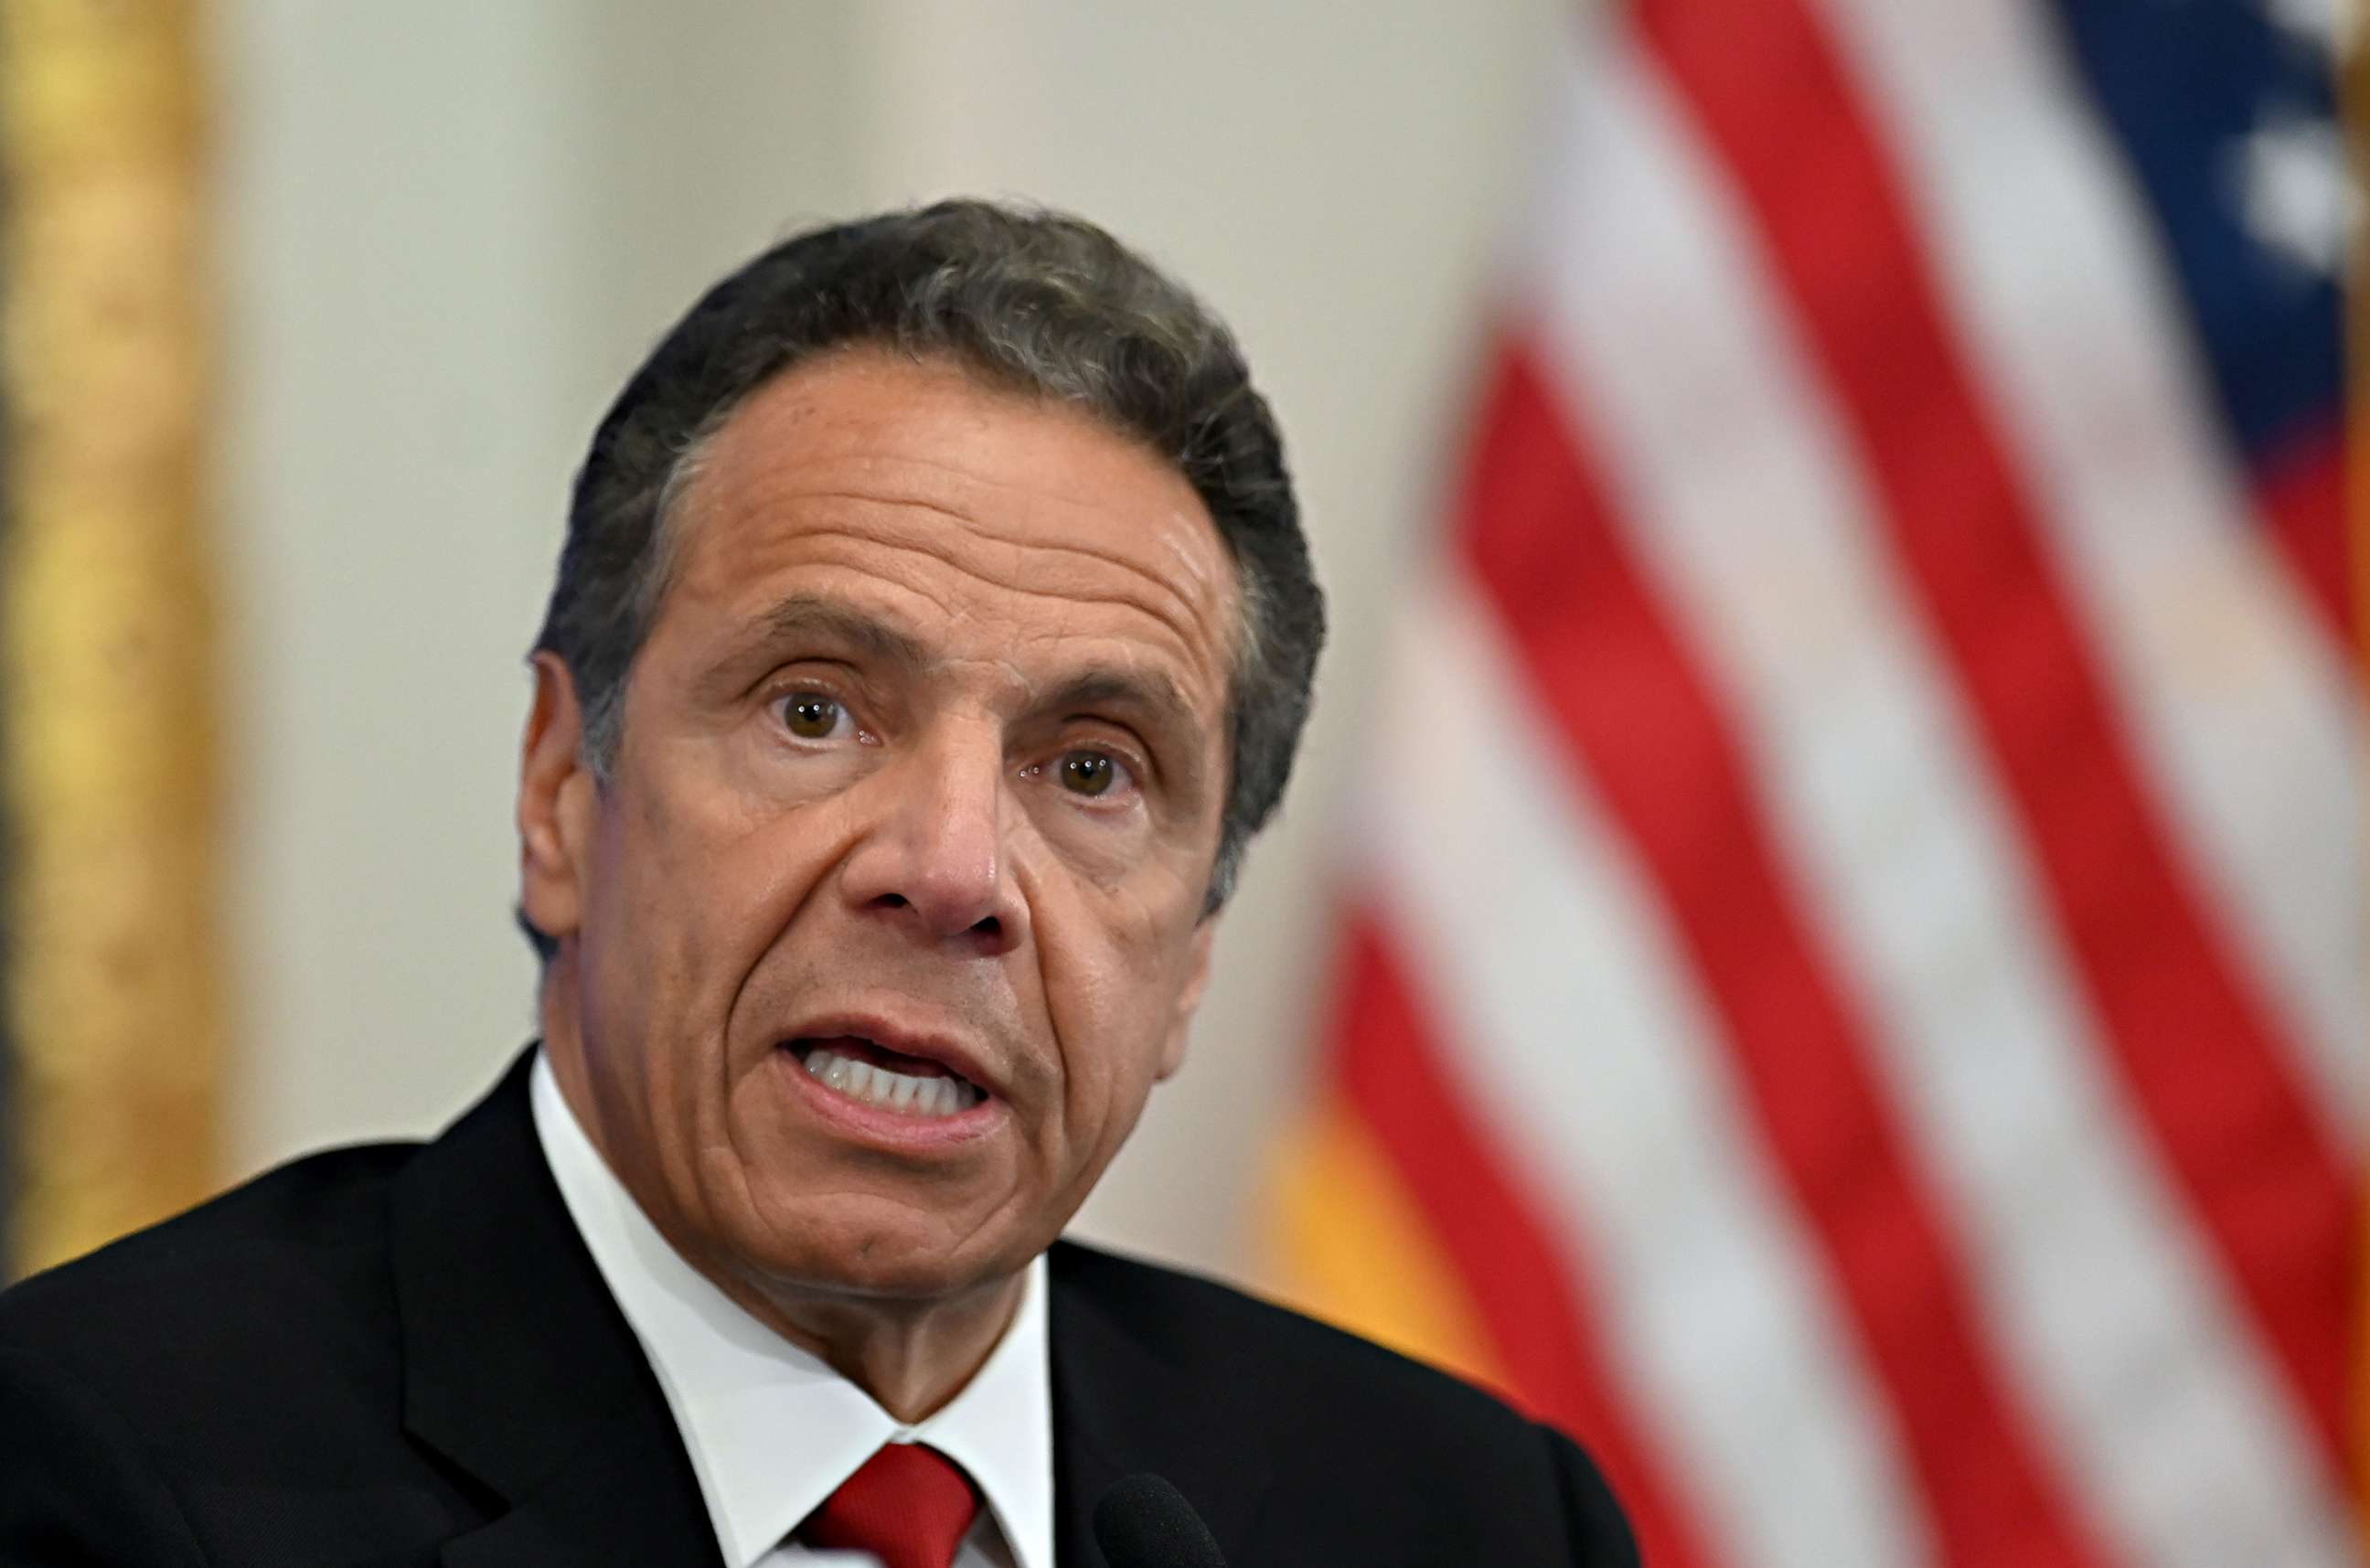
[107, 649]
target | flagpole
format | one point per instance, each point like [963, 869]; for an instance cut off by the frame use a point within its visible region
[107, 731]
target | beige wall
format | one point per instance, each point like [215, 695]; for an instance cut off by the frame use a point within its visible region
[451, 228]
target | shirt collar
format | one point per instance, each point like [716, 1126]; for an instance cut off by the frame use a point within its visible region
[771, 1429]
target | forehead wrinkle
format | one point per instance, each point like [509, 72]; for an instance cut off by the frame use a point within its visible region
[1173, 546]
[961, 476]
[1174, 618]
[826, 453]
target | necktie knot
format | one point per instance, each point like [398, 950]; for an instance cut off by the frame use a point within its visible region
[909, 1506]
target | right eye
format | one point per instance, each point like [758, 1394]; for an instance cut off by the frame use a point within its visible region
[812, 715]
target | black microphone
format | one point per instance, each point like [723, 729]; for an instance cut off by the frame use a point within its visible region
[1144, 1522]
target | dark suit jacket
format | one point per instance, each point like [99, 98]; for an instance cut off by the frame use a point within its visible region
[404, 1354]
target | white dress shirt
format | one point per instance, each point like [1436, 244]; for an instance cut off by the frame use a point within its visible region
[772, 1431]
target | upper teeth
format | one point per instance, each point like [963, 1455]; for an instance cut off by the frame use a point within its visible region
[914, 1095]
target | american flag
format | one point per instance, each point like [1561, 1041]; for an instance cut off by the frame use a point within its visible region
[1853, 989]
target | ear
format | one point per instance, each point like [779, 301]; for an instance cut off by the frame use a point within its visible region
[554, 803]
[1197, 978]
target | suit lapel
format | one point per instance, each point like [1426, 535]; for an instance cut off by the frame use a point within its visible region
[520, 1370]
[518, 1367]
[1125, 1401]
[625, 1495]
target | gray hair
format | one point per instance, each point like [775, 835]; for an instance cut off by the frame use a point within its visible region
[1039, 301]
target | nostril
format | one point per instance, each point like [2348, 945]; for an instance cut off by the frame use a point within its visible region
[943, 920]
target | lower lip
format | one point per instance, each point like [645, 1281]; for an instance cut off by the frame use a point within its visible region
[884, 1129]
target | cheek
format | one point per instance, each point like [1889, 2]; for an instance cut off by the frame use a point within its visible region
[702, 889]
[1113, 966]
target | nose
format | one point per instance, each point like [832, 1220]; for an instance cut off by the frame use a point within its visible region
[932, 857]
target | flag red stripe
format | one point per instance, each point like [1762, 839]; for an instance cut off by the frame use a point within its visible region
[1642, 725]
[2302, 496]
[1521, 1278]
[2185, 1024]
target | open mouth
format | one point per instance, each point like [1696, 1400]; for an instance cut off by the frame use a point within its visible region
[873, 1075]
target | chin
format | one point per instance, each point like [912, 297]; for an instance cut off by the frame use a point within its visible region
[895, 1255]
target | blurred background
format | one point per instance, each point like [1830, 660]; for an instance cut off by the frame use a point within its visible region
[1817, 939]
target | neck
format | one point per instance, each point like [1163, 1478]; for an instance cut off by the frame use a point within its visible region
[911, 1355]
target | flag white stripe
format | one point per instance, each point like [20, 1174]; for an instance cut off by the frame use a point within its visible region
[1572, 1021]
[2240, 703]
[1725, 463]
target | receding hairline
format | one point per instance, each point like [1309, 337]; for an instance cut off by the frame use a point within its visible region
[692, 462]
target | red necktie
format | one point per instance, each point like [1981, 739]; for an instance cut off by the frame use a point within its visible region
[908, 1506]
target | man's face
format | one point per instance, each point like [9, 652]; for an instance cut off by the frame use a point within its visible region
[889, 915]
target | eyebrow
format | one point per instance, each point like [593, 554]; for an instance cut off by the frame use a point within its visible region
[804, 615]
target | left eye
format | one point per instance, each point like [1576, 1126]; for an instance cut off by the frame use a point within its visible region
[1089, 773]
[811, 715]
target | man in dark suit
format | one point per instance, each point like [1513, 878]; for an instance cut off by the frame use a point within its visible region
[933, 629]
